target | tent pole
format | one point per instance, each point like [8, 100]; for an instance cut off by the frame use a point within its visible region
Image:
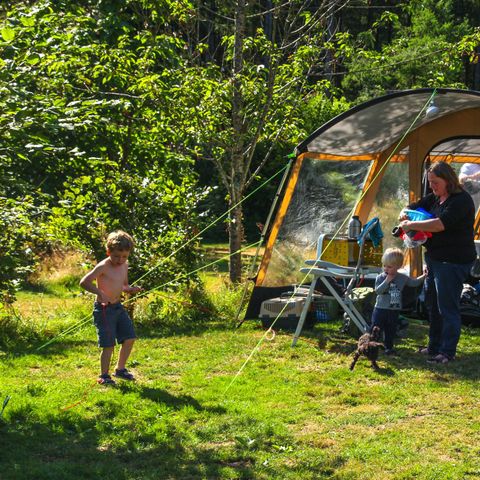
[262, 237]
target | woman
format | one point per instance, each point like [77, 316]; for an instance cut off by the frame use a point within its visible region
[450, 253]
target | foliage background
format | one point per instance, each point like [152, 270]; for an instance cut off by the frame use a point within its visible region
[113, 113]
[119, 114]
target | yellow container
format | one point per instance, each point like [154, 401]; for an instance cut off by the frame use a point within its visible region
[344, 251]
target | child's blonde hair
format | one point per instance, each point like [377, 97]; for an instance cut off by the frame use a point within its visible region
[120, 240]
[393, 256]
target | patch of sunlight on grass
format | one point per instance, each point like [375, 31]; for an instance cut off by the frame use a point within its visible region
[214, 281]
[40, 305]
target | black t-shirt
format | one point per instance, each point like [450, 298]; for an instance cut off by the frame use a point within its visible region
[457, 213]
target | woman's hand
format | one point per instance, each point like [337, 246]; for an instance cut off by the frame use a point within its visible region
[402, 216]
[405, 225]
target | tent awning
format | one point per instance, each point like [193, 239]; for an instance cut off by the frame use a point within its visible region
[376, 125]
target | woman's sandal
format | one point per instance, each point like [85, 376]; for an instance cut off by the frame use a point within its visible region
[426, 351]
[440, 358]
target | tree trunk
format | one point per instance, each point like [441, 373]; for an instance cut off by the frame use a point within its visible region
[236, 238]
[237, 173]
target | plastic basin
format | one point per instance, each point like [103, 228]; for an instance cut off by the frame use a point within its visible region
[417, 216]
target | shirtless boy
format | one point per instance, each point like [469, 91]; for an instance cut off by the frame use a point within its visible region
[108, 280]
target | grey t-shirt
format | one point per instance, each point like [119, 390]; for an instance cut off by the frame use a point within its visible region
[389, 294]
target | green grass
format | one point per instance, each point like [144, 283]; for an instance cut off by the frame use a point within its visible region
[293, 412]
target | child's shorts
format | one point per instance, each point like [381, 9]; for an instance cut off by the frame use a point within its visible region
[112, 323]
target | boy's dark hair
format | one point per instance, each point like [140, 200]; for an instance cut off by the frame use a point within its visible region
[120, 240]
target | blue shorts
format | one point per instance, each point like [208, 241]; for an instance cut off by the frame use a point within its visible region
[112, 323]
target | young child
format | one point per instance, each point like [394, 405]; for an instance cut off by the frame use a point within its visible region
[108, 280]
[388, 287]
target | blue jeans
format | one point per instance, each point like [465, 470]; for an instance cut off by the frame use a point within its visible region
[443, 287]
[387, 321]
[112, 323]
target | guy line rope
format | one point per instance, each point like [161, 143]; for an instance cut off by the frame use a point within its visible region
[270, 329]
[360, 197]
[86, 319]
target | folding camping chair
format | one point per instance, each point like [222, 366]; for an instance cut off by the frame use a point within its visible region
[322, 270]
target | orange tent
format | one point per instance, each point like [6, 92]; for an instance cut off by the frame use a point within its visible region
[368, 161]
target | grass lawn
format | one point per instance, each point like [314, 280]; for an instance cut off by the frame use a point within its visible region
[292, 413]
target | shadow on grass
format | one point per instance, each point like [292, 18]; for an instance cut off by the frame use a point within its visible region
[161, 396]
[329, 337]
[54, 349]
[386, 372]
[464, 367]
[185, 329]
[20, 348]
[56, 346]
[67, 446]
[17, 337]
[55, 456]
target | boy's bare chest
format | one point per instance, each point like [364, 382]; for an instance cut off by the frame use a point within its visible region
[113, 276]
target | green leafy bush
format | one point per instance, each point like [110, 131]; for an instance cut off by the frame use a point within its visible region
[158, 213]
[14, 330]
[87, 121]
[188, 309]
[21, 233]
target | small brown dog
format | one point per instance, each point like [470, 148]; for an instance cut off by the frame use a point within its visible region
[369, 346]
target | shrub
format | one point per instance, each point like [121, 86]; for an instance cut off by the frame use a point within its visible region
[21, 235]
[188, 309]
[14, 330]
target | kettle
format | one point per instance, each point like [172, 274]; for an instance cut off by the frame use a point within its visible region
[354, 227]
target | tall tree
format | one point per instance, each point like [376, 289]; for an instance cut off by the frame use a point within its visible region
[251, 93]
[238, 126]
